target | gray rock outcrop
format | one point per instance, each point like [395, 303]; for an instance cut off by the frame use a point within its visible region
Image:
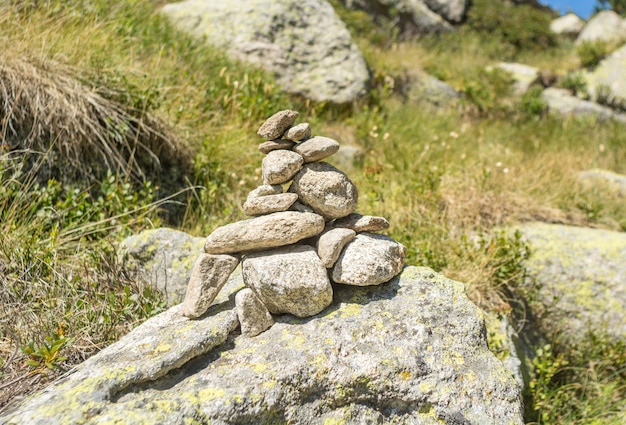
[415, 16]
[426, 88]
[605, 26]
[523, 76]
[562, 102]
[605, 178]
[304, 43]
[608, 79]
[579, 275]
[569, 25]
[162, 258]
[412, 351]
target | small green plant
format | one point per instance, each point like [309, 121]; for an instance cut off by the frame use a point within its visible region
[487, 89]
[591, 53]
[575, 81]
[47, 354]
[532, 103]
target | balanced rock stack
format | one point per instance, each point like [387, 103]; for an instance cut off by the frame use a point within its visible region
[298, 240]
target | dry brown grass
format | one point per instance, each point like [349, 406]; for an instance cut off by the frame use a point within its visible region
[44, 108]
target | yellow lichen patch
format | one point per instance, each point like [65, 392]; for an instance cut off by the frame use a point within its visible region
[406, 375]
[259, 367]
[334, 421]
[425, 387]
[269, 384]
[211, 394]
[164, 348]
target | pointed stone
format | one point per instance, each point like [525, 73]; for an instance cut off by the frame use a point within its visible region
[362, 223]
[274, 145]
[277, 124]
[267, 231]
[330, 244]
[317, 148]
[264, 190]
[209, 274]
[299, 132]
[280, 166]
[253, 316]
[269, 204]
[289, 280]
[370, 259]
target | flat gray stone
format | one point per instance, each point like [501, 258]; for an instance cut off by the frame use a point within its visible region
[264, 190]
[208, 276]
[274, 145]
[254, 317]
[412, 351]
[269, 204]
[331, 242]
[370, 259]
[277, 124]
[561, 102]
[267, 231]
[325, 189]
[162, 258]
[299, 132]
[289, 280]
[280, 166]
[316, 148]
[297, 206]
[362, 223]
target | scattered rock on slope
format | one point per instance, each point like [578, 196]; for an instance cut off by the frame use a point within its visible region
[562, 102]
[410, 351]
[579, 275]
[608, 79]
[608, 179]
[605, 26]
[163, 258]
[303, 42]
[569, 25]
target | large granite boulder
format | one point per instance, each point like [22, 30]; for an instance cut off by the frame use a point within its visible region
[562, 102]
[523, 76]
[577, 278]
[303, 42]
[608, 79]
[163, 258]
[605, 26]
[412, 16]
[411, 351]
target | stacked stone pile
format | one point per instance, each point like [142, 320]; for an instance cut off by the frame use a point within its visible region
[298, 241]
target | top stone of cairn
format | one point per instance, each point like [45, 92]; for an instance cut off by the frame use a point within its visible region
[277, 124]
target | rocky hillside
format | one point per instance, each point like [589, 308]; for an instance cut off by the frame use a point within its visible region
[481, 281]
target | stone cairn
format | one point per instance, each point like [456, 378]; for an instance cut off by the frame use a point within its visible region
[298, 241]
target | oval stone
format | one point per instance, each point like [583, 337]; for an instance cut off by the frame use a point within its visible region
[316, 148]
[280, 166]
[325, 189]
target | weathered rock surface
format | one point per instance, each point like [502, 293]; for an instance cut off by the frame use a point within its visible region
[299, 132]
[523, 76]
[316, 148]
[269, 204]
[273, 145]
[280, 166]
[325, 189]
[331, 242]
[580, 278]
[610, 180]
[425, 88]
[370, 259]
[362, 223]
[561, 102]
[412, 16]
[163, 258]
[265, 190]
[277, 124]
[208, 276]
[303, 42]
[605, 26]
[409, 352]
[254, 317]
[267, 231]
[289, 280]
[609, 76]
[570, 25]
[450, 10]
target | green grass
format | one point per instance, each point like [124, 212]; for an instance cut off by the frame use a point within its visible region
[447, 180]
